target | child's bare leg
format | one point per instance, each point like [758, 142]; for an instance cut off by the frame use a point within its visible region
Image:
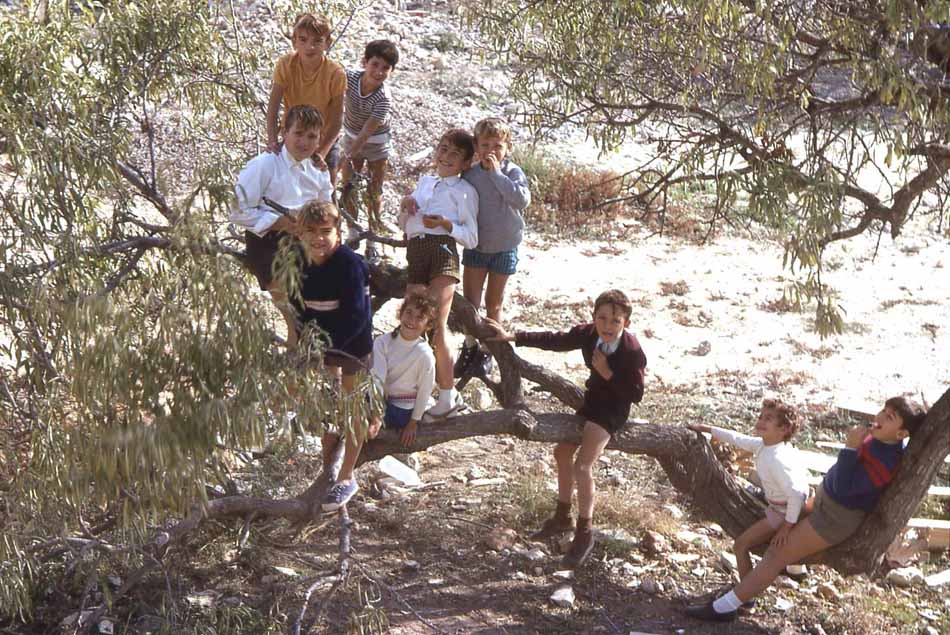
[495, 295]
[803, 541]
[347, 168]
[442, 289]
[760, 532]
[593, 442]
[564, 457]
[473, 281]
[377, 173]
[353, 441]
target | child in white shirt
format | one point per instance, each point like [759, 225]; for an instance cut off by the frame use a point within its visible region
[782, 471]
[404, 368]
[442, 211]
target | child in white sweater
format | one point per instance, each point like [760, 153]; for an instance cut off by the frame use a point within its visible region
[404, 368]
[781, 469]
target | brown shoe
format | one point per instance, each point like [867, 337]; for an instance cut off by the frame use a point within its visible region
[581, 546]
[560, 523]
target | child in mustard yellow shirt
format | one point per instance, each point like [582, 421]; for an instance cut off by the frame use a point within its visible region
[308, 77]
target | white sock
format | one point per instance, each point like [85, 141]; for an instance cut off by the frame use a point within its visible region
[796, 569]
[470, 341]
[727, 603]
[447, 398]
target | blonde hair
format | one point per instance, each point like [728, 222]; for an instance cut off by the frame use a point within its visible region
[493, 127]
[318, 25]
[318, 213]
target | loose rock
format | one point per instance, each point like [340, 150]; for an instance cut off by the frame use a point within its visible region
[905, 577]
[563, 597]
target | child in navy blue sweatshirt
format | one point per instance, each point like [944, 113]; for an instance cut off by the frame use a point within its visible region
[334, 295]
[850, 490]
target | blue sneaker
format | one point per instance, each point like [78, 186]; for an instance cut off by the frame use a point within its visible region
[340, 494]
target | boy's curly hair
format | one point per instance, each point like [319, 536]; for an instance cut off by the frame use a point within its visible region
[318, 213]
[307, 116]
[617, 298]
[317, 25]
[386, 50]
[461, 139]
[788, 415]
[912, 414]
[493, 127]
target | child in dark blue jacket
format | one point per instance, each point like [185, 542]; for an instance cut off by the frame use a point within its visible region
[850, 490]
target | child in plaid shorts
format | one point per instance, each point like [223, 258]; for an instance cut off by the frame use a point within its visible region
[441, 211]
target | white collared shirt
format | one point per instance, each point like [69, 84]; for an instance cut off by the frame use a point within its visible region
[452, 198]
[608, 349]
[282, 179]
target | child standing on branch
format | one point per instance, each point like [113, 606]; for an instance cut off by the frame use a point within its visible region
[783, 474]
[366, 131]
[290, 179]
[618, 367]
[850, 490]
[334, 296]
[308, 77]
[441, 211]
[502, 195]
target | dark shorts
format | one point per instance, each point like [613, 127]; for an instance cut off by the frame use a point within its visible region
[259, 255]
[503, 263]
[431, 256]
[833, 521]
[395, 417]
[347, 365]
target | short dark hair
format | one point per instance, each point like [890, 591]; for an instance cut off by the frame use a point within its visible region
[912, 414]
[308, 117]
[319, 212]
[617, 298]
[788, 415]
[383, 49]
[461, 139]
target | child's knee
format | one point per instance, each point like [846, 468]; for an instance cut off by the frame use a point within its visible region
[583, 467]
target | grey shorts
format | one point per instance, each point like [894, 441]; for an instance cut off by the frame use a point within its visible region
[369, 151]
[833, 521]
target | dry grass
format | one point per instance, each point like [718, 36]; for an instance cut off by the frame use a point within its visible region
[680, 288]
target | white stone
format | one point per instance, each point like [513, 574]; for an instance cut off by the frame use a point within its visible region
[781, 604]
[534, 555]
[675, 511]
[727, 562]
[905, 577]
[286, 571]
[563, 597]
[565, 574]
[938, 579]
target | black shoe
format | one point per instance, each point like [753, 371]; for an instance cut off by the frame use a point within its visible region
[747, 607]
[553, 527]
[708, 613]
[464, 360]
[481, 364]
[581, 547]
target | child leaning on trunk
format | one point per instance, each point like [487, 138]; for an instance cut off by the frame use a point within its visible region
[781, 470]
[617, 365]
[849, 491]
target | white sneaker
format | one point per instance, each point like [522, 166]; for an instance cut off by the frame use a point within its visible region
[457, 406]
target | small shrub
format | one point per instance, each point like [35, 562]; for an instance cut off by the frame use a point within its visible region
[567, 198]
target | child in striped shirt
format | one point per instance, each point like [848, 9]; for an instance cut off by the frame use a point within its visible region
[366, 119]
[404, 368]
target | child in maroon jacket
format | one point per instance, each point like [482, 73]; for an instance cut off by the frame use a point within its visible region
[617, 366]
